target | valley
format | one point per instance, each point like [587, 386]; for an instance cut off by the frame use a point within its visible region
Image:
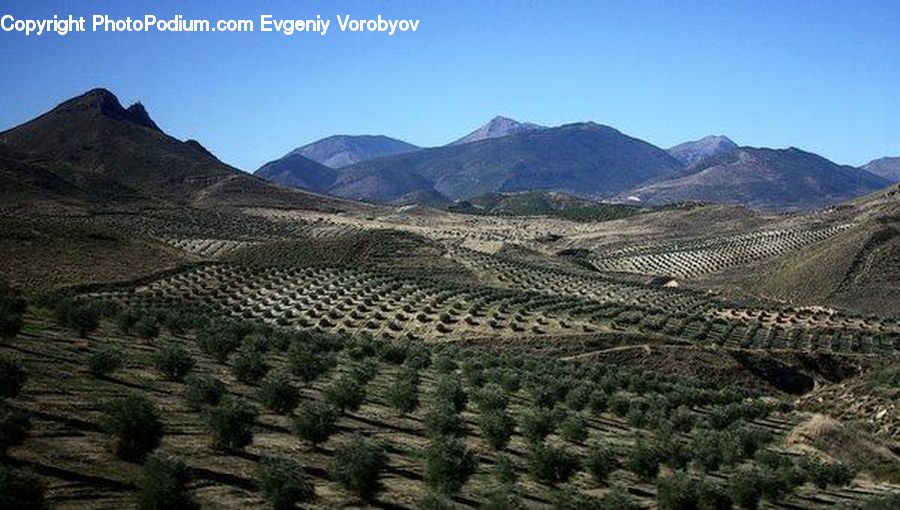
[178, 331]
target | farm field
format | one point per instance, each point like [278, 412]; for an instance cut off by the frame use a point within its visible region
[581, 386]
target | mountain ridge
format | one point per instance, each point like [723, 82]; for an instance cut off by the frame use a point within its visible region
[775, 179]
[584, 158]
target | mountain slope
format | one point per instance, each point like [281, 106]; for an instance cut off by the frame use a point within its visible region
[109, 151]
[496, 128]
[778, 179]
[342, 150]
[298, 171]
[544, 203]
[583, 159]
[856, 269]
[889, 168]
[693, 152]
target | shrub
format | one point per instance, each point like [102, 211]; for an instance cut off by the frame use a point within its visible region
[278, 394]
[358, 465]
[578, 398]
[126, 319]
[12, 377]
[496, 428]
[249, 367]
[617, 499]
[645, 459]
[309, 365]
[448, 464]
[134, 420]
[683, 419]
[345, 393]
[231, 422]
[82, 317]
[706, 451]
[403, 395]
[711, 496]
[574, 429]
[203, 391]
[433, 501]
[104, 361]
[823, 474]
[11, 300]
[745, 486]
[255, 342]
[449, 391]
[620, 404]
[503, 498]
[14, 427]
[284, 483]
[418, 357]
[220, 341]
[445, 363]
[177, 322]
[491, 397]
[315, 422]
[164, 485]
[676, 491]
[601, 461]
[20, 489]
[505, 469]
[552, 465]
[598, 401]
[173, 362]
[364, 371]
[536, 424]
[10, 325]
[147, 328]
[440, 420]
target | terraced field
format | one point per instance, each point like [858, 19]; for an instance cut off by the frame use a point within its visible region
[590, 408]
[583, 388]
[685, 259]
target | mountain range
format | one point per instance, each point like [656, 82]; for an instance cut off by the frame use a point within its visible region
[90, 149]
[590, 161]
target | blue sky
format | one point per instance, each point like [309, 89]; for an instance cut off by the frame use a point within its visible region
[823, 76]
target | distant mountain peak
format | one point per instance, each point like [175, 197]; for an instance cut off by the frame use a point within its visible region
[497, 127]
[695, 151]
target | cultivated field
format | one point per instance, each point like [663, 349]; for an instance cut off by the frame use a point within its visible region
[408, 358]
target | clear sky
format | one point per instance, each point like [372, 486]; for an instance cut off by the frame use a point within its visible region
[820, 75]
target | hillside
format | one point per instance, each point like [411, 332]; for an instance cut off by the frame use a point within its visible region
[342, 150]
[496, 128]
[777, 179]
[696, 151]
[856, 269]
[298, 171]
[584, 159]
[110, 152]
[543, 203]
[889, 168]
